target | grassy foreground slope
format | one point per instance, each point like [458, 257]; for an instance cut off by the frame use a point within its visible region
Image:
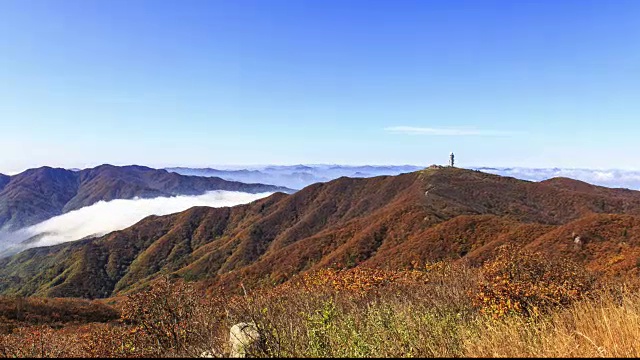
[540, 307]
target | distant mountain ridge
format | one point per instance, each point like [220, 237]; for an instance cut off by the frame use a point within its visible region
[385, 221]
[299, 176]
[38, 194]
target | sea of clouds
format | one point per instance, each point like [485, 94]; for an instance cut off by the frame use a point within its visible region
[613, 178]
[299, 176]
[295, 176]
[104, 217]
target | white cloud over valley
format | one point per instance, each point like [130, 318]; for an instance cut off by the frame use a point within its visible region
[106, 216]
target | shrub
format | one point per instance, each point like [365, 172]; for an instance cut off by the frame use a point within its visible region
[175, 316]
[522, 282]
[361, 312]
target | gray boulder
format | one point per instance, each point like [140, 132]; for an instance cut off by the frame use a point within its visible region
[243, 339]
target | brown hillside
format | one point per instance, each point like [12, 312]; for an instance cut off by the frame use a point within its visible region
[581, 186]
[386, 221]
[39, 194]
[608, 243]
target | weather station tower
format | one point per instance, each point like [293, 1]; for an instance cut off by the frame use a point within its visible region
[451, 159]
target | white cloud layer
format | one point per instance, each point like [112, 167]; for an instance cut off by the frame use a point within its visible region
[104, 217]
[412, 130]
[610, 178]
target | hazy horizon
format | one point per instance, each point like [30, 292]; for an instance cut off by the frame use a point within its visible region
[260, 166]
[282, 175]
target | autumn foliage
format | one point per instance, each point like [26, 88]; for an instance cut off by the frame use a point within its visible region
[521, 282]
[438, 309]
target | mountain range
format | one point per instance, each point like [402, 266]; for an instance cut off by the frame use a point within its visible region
[296, 176]
[299, 176]
[386, 221]
[38, 194]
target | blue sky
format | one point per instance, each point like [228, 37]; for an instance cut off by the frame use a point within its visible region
[201, 83]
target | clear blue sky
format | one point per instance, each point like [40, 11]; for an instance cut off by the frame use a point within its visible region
[199, 83]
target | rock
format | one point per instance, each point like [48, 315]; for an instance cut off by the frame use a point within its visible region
[431, 187]
[208, 354]
[243, 339]
[213, 353]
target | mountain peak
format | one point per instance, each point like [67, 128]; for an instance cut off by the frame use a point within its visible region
[565, 182]
[42, 171]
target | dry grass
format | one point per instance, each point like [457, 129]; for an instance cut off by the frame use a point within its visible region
[607, 326]
[354, 313]
[363, 313]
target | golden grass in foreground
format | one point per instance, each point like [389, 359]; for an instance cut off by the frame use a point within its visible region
[606, 326]
[433, 311]
[415, 323]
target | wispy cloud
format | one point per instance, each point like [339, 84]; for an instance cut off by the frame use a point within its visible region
[413, 130]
